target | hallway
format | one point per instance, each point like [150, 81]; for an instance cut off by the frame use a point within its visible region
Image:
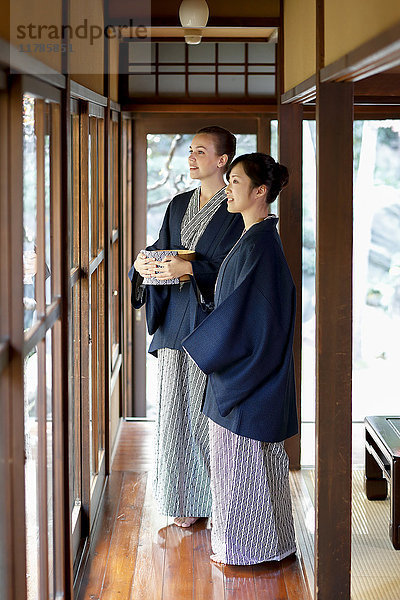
[100, 100]
[138, 554]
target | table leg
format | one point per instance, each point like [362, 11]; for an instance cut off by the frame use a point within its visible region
[375, 483]
[394, 528]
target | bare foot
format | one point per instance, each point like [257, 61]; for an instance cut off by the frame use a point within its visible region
[217, 560]
[185, 521]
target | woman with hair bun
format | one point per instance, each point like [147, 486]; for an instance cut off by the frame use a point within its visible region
[245, 346]
[195, 220]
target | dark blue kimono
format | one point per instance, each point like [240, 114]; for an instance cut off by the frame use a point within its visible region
[172, 311]
[245, 344]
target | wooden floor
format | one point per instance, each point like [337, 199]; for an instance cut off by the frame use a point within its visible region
[375, 564]
[137, 554]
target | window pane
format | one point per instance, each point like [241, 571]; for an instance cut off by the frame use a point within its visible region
[115, 174]
[93, 349]
[115, 292]
[202, 69]
[261, 85]
[75, 406]
[30, 211]
[90, 187]
[274, 207]
[171, 52]
[49, 438]
[74, 214]
[101, 183]
[142, 85]
[261, 69]
[93, 158]
[171, 85]
[231, 52]
[171, 69]
[201, 85]
[101, 355]
[261, 53]
[231, 68]
[90, 386]
[376, 273]
[31, 474]
[203, 53]
[141, 52]
[274, 139]
[231, 85]
[47, 215]
[308, 292]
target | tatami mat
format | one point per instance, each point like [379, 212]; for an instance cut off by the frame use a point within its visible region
[375, 563]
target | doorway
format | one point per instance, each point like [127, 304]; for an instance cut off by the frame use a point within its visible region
[161, 146]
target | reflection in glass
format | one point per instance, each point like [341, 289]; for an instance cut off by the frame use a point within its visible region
[101, 355]
[47, 224]
[29, 210]
[75, 408]
[90, 142]
[74, 204]
[31, 474]
[167, 176]
[90, 382]
[49, 441]
[115, 295]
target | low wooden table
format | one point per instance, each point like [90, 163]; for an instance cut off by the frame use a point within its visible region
[382, 466]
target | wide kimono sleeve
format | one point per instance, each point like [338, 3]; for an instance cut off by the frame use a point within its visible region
[155, 297]
[242, 343]
[205, 270]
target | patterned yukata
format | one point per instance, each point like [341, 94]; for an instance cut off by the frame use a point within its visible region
[252, 509]
[182, 470]
[248, 392]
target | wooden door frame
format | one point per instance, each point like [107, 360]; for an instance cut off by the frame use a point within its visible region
[145, 123]
[187, 123]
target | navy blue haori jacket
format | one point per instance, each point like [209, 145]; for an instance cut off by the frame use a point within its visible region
[245, 344]
[173, 311]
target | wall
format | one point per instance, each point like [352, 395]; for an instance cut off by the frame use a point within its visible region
[348, 24]
[299, 41]
[114, 68]
[218, 8]
[87, 56]
[44, 17]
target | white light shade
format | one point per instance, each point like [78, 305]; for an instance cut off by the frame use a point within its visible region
[193, 13]
[192, 36]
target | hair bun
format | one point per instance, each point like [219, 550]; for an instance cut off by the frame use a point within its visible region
[282, 175]
[262, 169]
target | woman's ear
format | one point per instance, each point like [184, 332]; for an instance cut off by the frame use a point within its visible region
[222, 161]
[262, 190]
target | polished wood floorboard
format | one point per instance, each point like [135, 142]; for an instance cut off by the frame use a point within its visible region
[138, 554]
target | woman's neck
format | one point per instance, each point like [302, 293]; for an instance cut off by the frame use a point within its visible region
[209, 187]
[253, 218]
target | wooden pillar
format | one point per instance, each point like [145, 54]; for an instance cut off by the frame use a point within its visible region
[290, 228]
[139, 239]
[334, 340]
[16, 329]
[6, 542]
[264, 134]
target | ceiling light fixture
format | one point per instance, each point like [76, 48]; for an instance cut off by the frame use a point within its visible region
[193, 15]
